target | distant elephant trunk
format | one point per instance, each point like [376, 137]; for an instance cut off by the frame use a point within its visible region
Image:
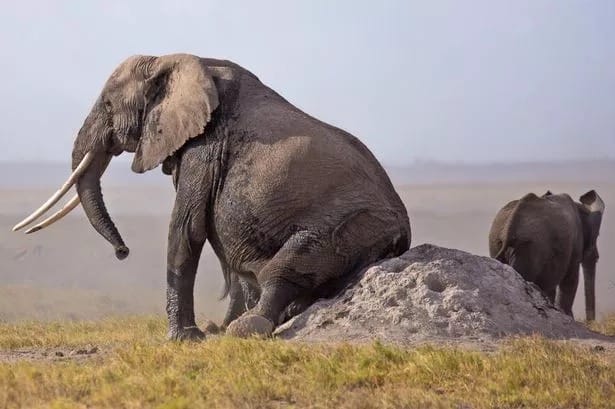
[589, 275]
[90, 195]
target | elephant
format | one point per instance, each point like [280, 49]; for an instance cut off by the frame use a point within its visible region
[545, 239]
[291, 206]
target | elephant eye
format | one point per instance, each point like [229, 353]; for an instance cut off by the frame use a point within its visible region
[109, 112]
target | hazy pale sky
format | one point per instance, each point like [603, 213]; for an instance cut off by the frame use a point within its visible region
[472, 81]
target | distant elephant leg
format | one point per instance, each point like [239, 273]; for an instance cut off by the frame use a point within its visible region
[568, 290]
[243, 296]
[186, 240]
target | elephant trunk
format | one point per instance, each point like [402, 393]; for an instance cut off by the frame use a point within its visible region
[589, 276]
[90, 195]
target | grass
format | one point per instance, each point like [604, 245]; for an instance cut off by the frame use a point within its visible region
[106, 332]
[605, 326]
[143, 370]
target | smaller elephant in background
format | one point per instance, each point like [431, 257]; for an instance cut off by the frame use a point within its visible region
[546, 239]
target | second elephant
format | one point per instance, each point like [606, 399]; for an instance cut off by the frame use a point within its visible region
[546, 239]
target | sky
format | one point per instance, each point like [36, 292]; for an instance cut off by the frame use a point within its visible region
[453, 81]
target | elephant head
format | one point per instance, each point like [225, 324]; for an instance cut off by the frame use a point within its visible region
[150, 106]
[591, 210]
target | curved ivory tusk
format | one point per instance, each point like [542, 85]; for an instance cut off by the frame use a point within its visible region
[68, 207]
[85, 162]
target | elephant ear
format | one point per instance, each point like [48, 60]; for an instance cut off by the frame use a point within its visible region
[180, 97]
[592, 202]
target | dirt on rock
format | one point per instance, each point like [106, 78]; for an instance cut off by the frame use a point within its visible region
[432, 294]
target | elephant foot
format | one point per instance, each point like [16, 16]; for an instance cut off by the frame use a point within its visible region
[250, 325]
[187, 334]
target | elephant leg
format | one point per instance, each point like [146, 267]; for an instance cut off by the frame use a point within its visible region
[261, 320]
[186, 240]
[296, 307]
[550, 294]
[288, 276]
[310, 261]
[243, 296]
[567, 290]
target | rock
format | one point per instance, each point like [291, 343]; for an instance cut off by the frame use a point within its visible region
[433, 293]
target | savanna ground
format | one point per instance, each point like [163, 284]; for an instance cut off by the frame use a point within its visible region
[81, 329]
[126, 363]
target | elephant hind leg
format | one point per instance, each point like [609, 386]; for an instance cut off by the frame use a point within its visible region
[567, 290]
[290, 278]
[261, 320]
[296, 307]
[311, 264]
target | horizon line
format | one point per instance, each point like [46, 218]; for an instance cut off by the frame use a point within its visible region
[414, 162]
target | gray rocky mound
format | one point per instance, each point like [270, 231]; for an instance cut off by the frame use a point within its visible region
[432, 293]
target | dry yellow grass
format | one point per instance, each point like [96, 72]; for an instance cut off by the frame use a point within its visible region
[606, 326]
[139, 369]
[107, 332]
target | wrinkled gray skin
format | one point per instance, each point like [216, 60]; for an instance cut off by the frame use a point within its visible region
[546, 238]
[292, 206]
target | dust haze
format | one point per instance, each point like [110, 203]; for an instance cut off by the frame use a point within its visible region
[69, 272]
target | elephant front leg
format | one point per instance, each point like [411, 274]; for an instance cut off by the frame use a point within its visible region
[184, 250]
[180, 307]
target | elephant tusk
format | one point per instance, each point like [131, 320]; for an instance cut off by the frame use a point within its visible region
[72, 179]
[68, 207]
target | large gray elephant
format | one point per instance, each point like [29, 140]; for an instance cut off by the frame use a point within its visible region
[292, 206]
[546, 239]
